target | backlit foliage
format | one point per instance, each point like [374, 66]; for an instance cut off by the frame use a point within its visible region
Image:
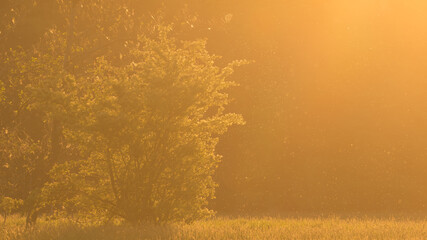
[148, 131]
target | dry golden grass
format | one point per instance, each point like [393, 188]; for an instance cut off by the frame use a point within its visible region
[226, 228]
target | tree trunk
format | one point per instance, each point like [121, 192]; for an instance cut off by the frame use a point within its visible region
[70, 35]
[55, 141]
[31, 218]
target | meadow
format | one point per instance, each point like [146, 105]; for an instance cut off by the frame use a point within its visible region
[227, 228]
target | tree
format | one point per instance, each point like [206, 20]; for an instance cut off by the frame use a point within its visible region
[36, 95]
[55, 114]
[149, 134]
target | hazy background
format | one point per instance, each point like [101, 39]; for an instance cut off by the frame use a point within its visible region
[335, 105]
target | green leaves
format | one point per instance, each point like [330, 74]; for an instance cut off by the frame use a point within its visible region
[102, 122]
[153, 136]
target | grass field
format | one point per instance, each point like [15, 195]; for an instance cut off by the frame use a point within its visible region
[227, 228]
